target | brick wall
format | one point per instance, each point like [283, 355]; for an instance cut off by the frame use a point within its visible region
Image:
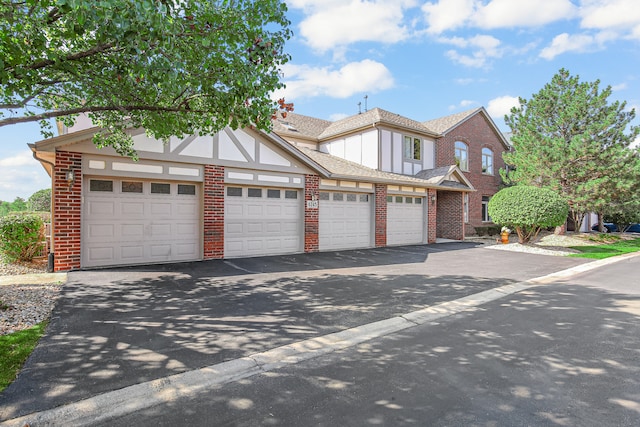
[67, 211]
[380, 215]
[432, 216]
[477, 133]
[449, 212]
[213, 212]
[311, 218]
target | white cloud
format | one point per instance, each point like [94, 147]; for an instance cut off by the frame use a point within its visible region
[446, 15]
[464, 104]
[499, 107]
[565, 42]
[621, 86]
[356, 77]
[21, 176]
[484, 47]
[610, 14]
[522, 13]
[335, 24]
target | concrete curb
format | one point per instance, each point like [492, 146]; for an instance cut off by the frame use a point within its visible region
[145, 395]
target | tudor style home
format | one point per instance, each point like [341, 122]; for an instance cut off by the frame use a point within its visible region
[370, 180]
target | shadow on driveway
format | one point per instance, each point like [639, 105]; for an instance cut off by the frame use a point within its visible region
[119, 327]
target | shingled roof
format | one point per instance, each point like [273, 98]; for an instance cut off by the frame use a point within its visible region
[298, 125]
[339, 168]
[373, 117]
[446, 123]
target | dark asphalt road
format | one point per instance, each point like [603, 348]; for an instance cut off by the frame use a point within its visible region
[564, 354]
[114, 328]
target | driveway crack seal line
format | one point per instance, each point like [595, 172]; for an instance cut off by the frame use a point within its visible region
[113, 404]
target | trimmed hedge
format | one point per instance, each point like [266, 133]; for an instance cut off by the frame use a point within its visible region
[527, 209]
[488, 230]
[21, 236]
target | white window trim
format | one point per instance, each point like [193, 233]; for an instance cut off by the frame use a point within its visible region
[490, 163]
[466, 151]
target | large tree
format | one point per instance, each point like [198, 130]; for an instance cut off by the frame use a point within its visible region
[570, 138]
[171, 67]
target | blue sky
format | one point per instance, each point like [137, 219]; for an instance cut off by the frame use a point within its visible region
[423, 60]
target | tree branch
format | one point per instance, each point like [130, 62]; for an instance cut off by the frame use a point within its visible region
[73, 111]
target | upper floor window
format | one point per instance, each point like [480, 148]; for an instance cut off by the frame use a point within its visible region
[487, 161]
[462, 155]
[412, 148]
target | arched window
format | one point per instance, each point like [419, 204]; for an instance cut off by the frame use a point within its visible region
[462, 155]
[487, 161]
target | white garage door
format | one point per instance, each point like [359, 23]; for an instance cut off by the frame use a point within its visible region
[262, 221]
[135, 221]
[405, 220]
[344, 221]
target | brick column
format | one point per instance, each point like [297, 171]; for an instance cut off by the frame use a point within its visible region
[432, 216]
[450, 215]
[311, 214]
[213, 212]
[67, 211]
[381, 215]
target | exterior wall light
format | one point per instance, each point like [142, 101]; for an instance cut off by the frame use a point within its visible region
[71, 177]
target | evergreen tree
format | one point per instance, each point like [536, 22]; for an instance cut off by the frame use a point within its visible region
[568, 137]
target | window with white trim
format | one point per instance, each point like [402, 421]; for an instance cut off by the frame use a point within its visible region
[487, 161]
[462, 155]
[412, 148]
[466, 207]
[485, 209]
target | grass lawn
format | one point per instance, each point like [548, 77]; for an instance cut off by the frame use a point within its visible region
[14, 350]
[607, 250]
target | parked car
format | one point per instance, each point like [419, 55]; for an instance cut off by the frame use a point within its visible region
[610, 227]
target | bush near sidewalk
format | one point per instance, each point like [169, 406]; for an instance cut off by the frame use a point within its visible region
[21, 236]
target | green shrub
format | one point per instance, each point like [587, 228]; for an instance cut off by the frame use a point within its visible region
[527, 209]
[488, 230]
[21, 236]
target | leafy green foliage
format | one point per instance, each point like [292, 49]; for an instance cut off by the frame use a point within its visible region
[568, 137]
[14, 350]
[21, 236]
[18, 205]
[170, 67]
[40, 201]
[527, 209]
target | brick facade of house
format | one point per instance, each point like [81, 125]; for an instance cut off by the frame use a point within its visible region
[67, 211]
[449, 213]
[213, 212]
[477, 133]
[311, 214]
[380, 215]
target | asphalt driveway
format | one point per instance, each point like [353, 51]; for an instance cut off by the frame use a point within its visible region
[119, 327]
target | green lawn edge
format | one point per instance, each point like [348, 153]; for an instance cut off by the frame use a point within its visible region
[15, 348]
[606, 251]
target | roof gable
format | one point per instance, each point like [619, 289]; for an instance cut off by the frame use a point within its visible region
[444, 125]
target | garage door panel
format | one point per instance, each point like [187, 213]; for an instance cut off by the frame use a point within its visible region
[101, 230]
[133, 230]
[266, 225]
[132, 208]
[405, 220]
[132, 253]
[101, 254]
[160, 208]
[101, 209]
[344, 221]
[125, 228]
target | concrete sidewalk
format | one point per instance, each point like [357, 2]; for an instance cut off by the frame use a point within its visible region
[119, 328]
